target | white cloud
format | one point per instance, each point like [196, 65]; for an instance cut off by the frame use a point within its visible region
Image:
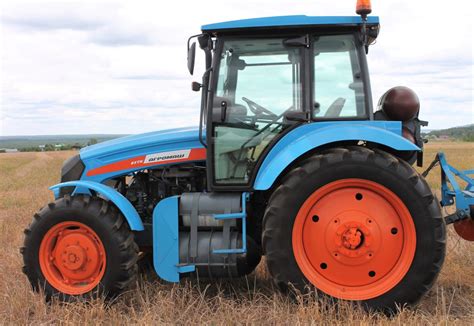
[120, 66]
[39, 16]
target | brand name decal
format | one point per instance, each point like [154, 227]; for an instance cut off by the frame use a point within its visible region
[167, 156]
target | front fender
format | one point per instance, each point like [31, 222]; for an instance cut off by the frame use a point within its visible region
[310, 136]
[111, 194]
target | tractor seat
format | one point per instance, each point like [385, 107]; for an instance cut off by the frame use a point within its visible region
[335, 108]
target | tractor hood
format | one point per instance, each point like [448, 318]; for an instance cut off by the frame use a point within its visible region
[133, 142]
[135, 152]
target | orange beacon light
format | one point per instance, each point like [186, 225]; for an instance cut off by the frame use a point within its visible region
[363, 7]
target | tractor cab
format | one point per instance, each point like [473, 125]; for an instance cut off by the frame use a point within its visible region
[265, 76]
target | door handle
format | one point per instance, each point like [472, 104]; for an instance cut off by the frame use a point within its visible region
[223, 110]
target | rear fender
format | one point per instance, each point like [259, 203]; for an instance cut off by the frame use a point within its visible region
[310, 136]
[125, 207]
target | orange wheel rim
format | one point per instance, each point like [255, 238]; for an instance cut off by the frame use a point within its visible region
[72, 258]
[354, 239]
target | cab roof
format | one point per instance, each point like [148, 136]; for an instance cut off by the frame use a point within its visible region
[288, 22]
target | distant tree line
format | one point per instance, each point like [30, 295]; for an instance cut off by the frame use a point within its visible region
[57, 147]
[463, 133]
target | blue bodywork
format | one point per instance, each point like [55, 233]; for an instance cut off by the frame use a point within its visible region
[117, 198]
[464, 197]
[134, 146]
[313, 135]
[166, 241]
[289, 21]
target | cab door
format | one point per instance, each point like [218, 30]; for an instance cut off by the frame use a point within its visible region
[258, 86]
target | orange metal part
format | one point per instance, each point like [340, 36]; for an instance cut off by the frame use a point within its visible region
[354, 239]
[363, 7]
[72, 258]
[465, 229]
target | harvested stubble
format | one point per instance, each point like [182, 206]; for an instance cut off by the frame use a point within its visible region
[24, 178]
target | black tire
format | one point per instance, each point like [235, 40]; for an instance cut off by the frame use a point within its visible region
[363, 163]
[110, 226]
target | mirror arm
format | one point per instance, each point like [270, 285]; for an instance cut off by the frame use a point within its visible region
[190, 38]
[204, 97]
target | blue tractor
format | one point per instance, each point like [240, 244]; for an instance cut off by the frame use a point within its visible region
[290, 161]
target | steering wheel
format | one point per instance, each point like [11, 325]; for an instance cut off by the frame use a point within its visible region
[257, 109]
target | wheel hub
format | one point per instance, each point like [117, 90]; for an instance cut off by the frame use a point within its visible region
[352, 238]
[72, 258]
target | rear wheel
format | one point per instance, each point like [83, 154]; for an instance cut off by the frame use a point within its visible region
[365, 227]
[79, 246]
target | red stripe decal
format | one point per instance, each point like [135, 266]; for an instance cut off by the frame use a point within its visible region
[195, 154]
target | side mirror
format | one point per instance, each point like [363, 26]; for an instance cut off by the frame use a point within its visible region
[191, 57]
[195, 86]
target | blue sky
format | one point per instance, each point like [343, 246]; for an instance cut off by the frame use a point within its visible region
[75, 67]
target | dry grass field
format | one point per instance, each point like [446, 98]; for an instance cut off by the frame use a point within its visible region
[24, 178]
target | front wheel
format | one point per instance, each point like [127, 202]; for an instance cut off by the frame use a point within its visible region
[365, 227]
[79, 246]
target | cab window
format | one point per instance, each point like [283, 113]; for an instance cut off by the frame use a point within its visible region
[338, 86]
